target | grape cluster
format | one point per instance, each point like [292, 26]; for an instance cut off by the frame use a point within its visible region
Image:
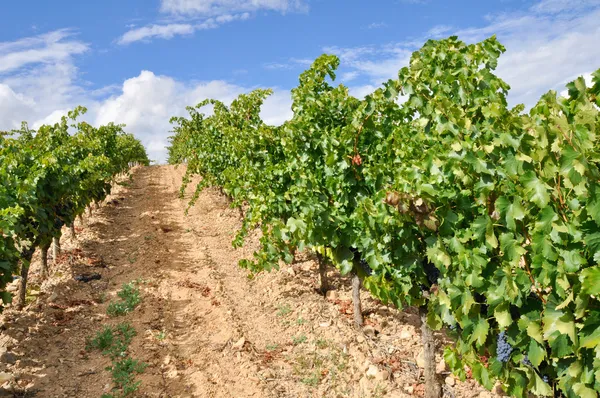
[546, 378]
[503, 348]
[432, 272]
[364, 266]
[526, 361]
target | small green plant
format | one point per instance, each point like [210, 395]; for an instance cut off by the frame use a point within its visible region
[283, 310]
[130, 298]
[322, 343]
[161, 335]
[272, 347]
[132, 258]
[312, 380]
[123, 374]
[114, 342]
[300, 321]
[299, 339]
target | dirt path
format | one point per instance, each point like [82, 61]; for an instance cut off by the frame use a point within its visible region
[204, 328]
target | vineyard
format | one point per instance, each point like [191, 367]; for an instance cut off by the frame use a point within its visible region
[484, 217]
[473, 227]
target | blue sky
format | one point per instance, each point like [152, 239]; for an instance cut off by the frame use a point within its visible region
[141, 61]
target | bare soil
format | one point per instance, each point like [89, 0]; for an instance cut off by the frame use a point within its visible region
[204, 327]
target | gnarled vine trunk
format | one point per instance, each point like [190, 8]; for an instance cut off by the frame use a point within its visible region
[25, 263]
[55, 249]
[44, 259]
[323, 274]
[432, 385]
[356, 285]
[72, 227]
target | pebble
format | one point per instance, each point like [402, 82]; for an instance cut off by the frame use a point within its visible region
[450, 381]
[441, 367]
[369, 330]
[406, 334]
[420, 359]
[372, 371]
[238, 345]
[4, 377]
[383, 375]
[8, 357]
[332, 295]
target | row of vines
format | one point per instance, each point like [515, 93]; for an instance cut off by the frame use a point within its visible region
[435, 194]
[47, 178]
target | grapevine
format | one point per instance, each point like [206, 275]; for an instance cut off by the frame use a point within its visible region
[485, 217]
[47, 178]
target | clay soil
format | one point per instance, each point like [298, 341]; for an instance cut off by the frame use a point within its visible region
[204, 327]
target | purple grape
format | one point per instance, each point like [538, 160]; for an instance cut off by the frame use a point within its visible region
[503, 348]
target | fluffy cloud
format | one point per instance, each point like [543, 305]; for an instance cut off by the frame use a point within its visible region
[37, 75]
[12, 107]
[147, 102]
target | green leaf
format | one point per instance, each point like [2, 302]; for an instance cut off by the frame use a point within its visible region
[539, 387]
[561, 346]
[344, 259]
[590, 280]
[583, 391]
[537, 191]
[591, 340]
[480, 332]
[502, 314]
[558, 321]
[536, 353]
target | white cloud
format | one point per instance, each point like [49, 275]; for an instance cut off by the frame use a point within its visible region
[439, 30]
[555, 41]
[547, 45]
[376, 25]
[12, 107]
[205, 14]
[52, 118]
[50, 48]
[147, 102]
[220, 7]
[169, 31]
[154, 31]
[292, 63]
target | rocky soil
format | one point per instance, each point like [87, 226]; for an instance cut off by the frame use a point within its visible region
[204, 327]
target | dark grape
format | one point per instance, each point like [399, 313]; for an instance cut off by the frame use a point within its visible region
[503, 348]
[365, 267]
[432, 272]
[526, 361]
[546, 378]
